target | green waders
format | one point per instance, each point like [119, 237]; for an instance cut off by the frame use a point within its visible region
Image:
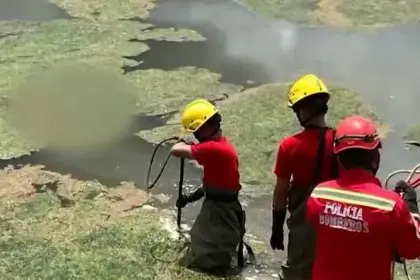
[301, 245]
[216, 233]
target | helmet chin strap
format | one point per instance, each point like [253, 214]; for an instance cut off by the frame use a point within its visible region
[375, 162]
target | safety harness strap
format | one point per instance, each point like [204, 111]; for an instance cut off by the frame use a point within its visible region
[334, 162]
[316, 177]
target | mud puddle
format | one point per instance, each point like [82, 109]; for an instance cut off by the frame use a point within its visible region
[33, 10]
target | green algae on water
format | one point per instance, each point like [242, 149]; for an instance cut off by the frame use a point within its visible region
[106, 10]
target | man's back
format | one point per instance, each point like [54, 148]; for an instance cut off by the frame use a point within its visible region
[354, 222]
[297, 154]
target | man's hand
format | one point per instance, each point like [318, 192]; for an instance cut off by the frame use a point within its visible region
[277, 234]
[190, 198]
[398, 259]
[182, 201]
[409, 195]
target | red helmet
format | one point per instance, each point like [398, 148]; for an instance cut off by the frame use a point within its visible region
[356, 132]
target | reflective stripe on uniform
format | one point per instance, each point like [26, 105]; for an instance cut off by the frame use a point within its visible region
[353, 198]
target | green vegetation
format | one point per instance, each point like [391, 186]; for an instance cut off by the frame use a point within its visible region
[256, 119]
[295, 11]
[28, 48]
[339, 13]
[106, 10]
[99, 235]
[378, 12]
[55, 227]
[413, 134]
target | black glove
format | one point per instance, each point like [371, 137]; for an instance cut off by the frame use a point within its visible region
[193, 197]
[277, 234]
[181, 202]
[409, 196]
[398, 259]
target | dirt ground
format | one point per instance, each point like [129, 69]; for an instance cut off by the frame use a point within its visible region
[20, 185]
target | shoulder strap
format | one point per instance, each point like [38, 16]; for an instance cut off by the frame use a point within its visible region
[316, 177]
[334, 161]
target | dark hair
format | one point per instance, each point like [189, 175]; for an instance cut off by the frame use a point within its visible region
[316, 103]
[357, 158]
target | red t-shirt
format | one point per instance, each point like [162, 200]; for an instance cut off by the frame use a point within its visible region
[220, 163]
[296, 157]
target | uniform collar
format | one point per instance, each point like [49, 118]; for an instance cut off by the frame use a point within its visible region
[359, 175]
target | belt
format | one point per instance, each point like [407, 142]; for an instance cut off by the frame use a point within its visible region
[223, 195]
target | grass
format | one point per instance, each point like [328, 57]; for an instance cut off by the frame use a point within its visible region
[256, 119]
[295, 11]
[339, 13]
[106, 10]
[413, 133]
[56, 227]
[30, 48]
[379, 12]
[92, 238]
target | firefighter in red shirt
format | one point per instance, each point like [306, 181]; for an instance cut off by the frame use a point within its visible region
[219, 228]
[303, 160]
[360, 226]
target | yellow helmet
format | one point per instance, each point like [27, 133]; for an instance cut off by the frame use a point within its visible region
[196, 113]
[307, 85]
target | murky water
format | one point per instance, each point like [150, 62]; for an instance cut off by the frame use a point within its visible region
[126, 159]
[33, 10]
[382, 65]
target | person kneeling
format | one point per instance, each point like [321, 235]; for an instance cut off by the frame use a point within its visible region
[220, 225]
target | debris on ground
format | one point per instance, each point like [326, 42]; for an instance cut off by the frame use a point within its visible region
[19, 184]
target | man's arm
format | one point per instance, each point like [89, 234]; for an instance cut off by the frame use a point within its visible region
[283, 174]
[407, 222]
[407, 233]
[281, 188]
[182, 150]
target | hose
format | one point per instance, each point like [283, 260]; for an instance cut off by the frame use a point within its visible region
[179, 246]
[151, 185]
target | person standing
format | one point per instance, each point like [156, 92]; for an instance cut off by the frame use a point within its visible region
[303, 160]
[361, 228]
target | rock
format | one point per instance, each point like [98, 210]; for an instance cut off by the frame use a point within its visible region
[149, 208]
[163, 198]
[64, 195]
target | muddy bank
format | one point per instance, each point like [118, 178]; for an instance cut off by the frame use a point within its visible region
[34, 10]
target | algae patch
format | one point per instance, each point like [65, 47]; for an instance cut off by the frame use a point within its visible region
[29, 48]
[106, 10]
[339, 13]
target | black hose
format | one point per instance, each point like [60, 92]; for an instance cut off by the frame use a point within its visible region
[179, 246]
[151, 185]
[180, 184]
